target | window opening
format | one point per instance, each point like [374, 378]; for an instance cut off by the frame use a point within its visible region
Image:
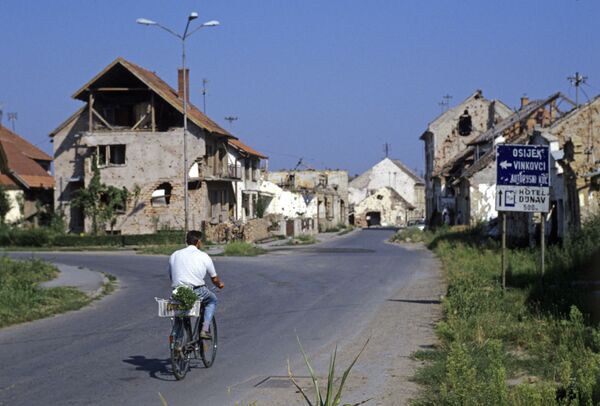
[102, 156]
[117, 154]
[465, 124]
[162, 195]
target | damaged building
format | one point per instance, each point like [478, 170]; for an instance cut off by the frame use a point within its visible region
[131, 128]
[448, 135]
[574, 143]
[320, 198]
[571, 132]
[25, 177]
[388, 194]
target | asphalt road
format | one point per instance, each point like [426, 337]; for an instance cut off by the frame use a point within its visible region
[115, 351]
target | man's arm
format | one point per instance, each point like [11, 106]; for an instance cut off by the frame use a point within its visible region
[217, 282]
[210, 268]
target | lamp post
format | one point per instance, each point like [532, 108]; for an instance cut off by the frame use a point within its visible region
[182, 38]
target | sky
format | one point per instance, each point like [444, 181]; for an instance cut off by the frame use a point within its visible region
[327, 81]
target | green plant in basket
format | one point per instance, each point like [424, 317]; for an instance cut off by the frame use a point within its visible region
[185, 296]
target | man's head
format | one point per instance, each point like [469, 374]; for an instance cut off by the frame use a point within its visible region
[193, 237]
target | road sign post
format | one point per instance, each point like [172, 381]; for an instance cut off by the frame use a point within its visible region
[522, 185]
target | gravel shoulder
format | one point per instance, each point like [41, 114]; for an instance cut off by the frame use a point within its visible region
[404, 324]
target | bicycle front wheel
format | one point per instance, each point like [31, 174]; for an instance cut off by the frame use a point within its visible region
[180, 357]
[208, 347]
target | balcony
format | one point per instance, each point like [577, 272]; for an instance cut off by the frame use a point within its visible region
[229, 173]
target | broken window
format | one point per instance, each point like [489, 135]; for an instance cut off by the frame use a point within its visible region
[322, 180]
[162, 195]
[102, 155]
[110, 155]
[254, 170]
[465, 124]
[117, 155]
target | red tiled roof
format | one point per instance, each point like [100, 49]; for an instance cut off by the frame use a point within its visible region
[163, 90]
[20, 162]
[24, 146]
[7, 182]
[240, 145]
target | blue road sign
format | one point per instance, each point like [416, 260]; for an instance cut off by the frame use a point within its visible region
[522, 178]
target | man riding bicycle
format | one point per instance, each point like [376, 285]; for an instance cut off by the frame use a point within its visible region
[188, 267]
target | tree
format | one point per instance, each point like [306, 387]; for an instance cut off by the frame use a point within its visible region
[99, 202]
[5, 204]
[112, 203]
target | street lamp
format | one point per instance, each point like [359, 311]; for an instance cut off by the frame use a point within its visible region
[186, 35]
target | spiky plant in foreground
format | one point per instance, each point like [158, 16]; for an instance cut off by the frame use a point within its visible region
[332, 397]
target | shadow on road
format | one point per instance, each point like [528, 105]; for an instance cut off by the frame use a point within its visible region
[422, 301]
[156, 368]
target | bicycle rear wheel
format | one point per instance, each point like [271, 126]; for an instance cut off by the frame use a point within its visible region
[208, 347]
[180, 357]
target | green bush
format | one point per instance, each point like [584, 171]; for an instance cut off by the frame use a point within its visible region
[242, 249]
[35, 237]
[541, 394]
[412, 234]
[154, 239]
[71, 240]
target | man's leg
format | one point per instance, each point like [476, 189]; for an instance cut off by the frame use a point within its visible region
[209, 300]
[210, 305]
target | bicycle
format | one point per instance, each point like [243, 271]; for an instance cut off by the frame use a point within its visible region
[184, 340]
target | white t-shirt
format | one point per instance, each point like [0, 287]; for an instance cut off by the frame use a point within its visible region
[188, 266]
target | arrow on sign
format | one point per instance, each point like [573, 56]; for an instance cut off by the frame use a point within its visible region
[505, 164]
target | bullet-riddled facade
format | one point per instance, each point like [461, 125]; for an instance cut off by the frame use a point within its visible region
[131, 129]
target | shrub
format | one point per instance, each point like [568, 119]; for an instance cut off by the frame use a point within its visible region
[242, 249]
[412, 234]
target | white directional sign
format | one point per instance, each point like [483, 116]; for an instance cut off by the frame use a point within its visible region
[522, 178]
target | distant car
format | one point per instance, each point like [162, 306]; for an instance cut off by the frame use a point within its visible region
[420, 224]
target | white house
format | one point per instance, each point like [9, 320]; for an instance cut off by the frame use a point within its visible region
[409, 189]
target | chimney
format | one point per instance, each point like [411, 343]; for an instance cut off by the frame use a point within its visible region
[524, 101]
[180, 84]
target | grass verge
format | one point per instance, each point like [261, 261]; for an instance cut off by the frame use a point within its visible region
[21, 297]
[166, 249]
[304, 239]
[242, 249]
[530, 345]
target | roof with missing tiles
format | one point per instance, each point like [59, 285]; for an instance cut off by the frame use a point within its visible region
[160, 87]
[18, 162]
[245, 148]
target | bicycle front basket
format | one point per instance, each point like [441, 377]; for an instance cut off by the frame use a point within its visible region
[172, 308]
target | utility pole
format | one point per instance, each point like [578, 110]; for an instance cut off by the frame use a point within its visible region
[447, 99]
[231, 119]
[442, 105]
[204, 82]
[576, 81]
[445, 103]
[387, 148]
[12, 117]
